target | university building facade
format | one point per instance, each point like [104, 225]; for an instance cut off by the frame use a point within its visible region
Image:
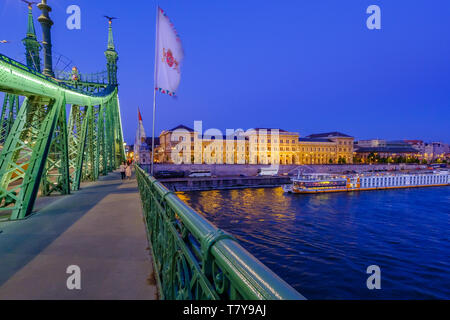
[254, 146]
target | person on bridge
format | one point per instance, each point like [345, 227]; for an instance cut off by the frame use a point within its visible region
[122, 169]
[128, 171]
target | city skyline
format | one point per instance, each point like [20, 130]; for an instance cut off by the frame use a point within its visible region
[197, 145]
[304, 134]
[307, 67]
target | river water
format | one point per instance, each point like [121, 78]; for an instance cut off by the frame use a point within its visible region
[323, 244]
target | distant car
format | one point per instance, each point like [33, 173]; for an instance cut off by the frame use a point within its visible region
[199, 173]
[165, 174]
[267, 172]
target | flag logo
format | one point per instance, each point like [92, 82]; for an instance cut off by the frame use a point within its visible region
[170, 59]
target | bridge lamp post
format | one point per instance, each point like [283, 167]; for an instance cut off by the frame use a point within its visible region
[46, 24]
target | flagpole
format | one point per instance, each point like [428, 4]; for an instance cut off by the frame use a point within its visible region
[155, 90]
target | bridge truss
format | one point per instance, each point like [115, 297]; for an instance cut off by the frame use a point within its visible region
[63, 132]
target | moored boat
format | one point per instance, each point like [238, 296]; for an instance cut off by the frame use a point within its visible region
[320, 183]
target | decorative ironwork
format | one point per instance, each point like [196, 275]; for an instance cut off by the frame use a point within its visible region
[94, 78]
[193, 260]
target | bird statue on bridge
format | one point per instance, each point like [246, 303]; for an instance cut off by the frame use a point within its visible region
[110, 19]
[29, 3]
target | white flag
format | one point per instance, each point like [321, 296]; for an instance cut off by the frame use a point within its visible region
[169, 55]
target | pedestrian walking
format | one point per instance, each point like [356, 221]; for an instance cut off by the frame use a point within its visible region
[128, 171]
[122, 169]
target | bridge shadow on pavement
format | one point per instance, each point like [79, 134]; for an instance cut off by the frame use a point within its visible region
[99, 228]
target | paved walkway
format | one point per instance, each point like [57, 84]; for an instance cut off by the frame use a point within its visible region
[99, 228]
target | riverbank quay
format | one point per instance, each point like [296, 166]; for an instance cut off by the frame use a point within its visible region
[223, 183]
[235, 176]
[250, 170]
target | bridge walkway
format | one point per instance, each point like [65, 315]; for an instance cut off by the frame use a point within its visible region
[99, 228]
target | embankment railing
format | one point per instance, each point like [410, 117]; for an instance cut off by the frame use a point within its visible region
[194, 260]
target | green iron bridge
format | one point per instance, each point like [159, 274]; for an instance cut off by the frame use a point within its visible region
[44, 153]
[42, 149]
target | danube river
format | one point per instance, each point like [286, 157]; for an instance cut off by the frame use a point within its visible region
[323, 244]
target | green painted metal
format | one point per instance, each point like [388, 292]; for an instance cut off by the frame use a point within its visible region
[12, 169]
[91, 87]
[40, 148]
[102, 152]
[119, 149]
[25, 153]
[56, 173]
[74, 128]
[15, 160]
[80, 155]
[194, 260]
[110, 138]
[32, 46]
[90, 149]
[8, 115]
[96, 146]
[122, 153]
[99, 80]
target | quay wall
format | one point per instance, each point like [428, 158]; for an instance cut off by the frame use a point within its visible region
[223, 183]
[245, 176]
[223, 170]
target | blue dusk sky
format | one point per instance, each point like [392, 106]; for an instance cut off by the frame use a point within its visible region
[307, 66]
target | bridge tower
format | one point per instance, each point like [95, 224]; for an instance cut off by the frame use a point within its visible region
[111, 57]
[118, 152]
[32, 46]
[11, 102]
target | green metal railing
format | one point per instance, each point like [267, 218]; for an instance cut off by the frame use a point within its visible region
[194, 260]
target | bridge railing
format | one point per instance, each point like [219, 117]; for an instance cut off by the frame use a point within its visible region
[194, 260]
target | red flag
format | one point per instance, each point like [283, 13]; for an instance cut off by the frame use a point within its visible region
[140, 136]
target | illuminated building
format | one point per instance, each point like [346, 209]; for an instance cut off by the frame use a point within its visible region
[254, 146]
[390, 151]
[326, 148]
[436, 151]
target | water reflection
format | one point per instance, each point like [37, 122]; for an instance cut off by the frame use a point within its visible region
[322, 244]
